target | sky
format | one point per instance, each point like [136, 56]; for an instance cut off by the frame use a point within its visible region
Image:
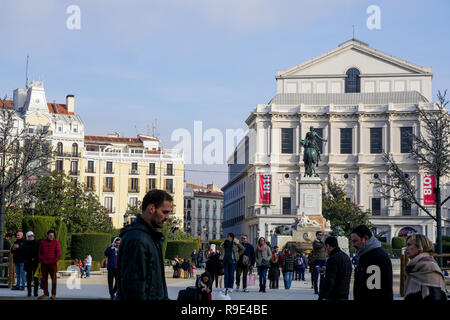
[179, 61]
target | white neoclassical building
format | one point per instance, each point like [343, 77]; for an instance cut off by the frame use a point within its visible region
[364, 102]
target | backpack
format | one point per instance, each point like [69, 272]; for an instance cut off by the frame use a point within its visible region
[299, 262]
[188, 294]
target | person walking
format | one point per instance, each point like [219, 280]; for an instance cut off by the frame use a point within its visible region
[300, 266]
[111, 253]
[245, 264]
[5, 256]
[372, 255]
[318, 257]
[19, 260]
[424, 278]
[288, 268]
[194, 256]
[88, 264]
[231, 251]
[31, 252]
[337, 273]
[49, 255]
[262, 257]
[140, 259]
[274, 271]
[185, 267]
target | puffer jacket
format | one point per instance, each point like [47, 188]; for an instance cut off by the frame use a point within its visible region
[288, 263]
[140, 263]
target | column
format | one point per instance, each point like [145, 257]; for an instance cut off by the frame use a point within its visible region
[360, 135]
[389, 139]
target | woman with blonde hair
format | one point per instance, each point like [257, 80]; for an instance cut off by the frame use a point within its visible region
[424, 278]
[262, 257]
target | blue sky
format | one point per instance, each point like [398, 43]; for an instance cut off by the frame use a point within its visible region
[184, 60]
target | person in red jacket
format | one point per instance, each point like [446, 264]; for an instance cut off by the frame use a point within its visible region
[49, 254]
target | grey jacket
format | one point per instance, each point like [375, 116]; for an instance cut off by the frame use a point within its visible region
[260, 255]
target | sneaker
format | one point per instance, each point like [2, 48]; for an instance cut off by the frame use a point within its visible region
[245, 290]
[15, 288]
[44, 296]
[230, 290]
[53, 297]
[237, 288]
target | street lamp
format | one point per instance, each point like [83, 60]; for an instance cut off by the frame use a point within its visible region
[32, 205]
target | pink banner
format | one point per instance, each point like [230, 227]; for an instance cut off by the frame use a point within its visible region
[429, 182]
[265, 181]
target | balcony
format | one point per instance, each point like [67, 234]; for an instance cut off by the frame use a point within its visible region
[134, 171]
[68, 154]
[74, 173]
[108, 171]
[110, 210]
[133, 190]
[169, 172]
[91, 188]
[89, 170]
[108, 189]
[151, 172]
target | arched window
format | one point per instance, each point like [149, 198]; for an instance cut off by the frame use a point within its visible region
[75, 149]
[59, 148]
[353, 81]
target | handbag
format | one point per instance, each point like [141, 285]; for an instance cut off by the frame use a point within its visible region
[265, 263]
[38, 273]
[251, 279]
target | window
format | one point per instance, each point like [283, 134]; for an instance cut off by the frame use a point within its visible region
[376, 144]
[134, 185]
[109, 167]
[108, 204]
[60, 128]
[90, 166]
[75, 128]
[133, 202]
[75, 150]
[287, 140]
[151, 184]
[90, 183]
[169, 169]
[189, 204]
[59, 165]
[74, 167]
[319, 131]
[59, 149]
[406, 139]
[352, 82]
[286, 205]
[169, 185]
[151, 169]
[45, 129]
[30, 130]
[376, 206]
[346, 141]
[109, 184]
[406, 208]
[134, 168]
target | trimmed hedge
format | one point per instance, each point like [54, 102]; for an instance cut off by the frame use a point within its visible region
[398, 242]
[92, 243]
[445, 238]
[64, 264]
[41, 224]
[217, 242]
[115, 233]
[180, 248]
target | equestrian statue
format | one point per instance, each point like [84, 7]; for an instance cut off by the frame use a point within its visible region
[311, 154]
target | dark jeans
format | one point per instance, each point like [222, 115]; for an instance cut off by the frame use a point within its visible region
[49, 269]
[229, 269]
[262, 276]
[300, 274]
[240, 269]
[31, 269]
[316, 273]
[20, 275]
[112, 281]
[274, 284]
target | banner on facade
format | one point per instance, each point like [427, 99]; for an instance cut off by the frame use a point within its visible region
[265, 186]
[429, 183]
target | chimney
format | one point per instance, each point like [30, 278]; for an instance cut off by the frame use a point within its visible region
[70, 103]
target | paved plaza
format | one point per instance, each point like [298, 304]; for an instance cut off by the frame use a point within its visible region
[96, 287]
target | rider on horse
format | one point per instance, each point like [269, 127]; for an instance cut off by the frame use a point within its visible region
[310, 158]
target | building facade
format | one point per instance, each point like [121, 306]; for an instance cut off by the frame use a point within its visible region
[119, 170]
[203, 211]
[363, 102]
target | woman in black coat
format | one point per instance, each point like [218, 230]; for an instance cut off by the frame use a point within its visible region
[274, 271]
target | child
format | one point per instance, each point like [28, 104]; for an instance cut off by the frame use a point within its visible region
[204, 286]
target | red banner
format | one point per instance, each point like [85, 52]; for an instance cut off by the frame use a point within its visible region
[429, 182]
[265, 182]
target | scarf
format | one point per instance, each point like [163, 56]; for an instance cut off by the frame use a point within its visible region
[262, 248]
[423, 272]
[371, 244]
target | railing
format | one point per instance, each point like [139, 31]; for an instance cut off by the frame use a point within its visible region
[134, 171]
[168, 153]
[74, 173]
[151, 172]
[169, 172]
[89, 170]
[133, 190]
[109, 171]
[108, 189]
[68, 154]
[10, 265]
[92, 188]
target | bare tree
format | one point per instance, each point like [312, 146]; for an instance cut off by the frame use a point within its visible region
[431, 150]
[25, 153]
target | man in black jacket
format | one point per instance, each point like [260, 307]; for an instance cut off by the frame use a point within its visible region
[140, 260]
[373, 274]
[5, 256]
[19, 259]
[245, 263]
[31, 253]
[337, 273]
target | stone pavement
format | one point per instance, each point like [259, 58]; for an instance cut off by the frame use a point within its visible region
[96, 287]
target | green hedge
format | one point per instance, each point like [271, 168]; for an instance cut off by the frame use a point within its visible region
[115, 233]
[398, 242]
[445, 238]
[445, 247]
[92, 243]
[40, 226]
[180, 248]
[64, 264]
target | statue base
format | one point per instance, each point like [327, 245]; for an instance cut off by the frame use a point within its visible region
[310, 196]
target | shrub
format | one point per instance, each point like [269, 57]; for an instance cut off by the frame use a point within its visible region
[180, 248]
[92, 243]
[40, 226]
[445, 238]
[115, 233]
[398, 242]
[64, 264]
[445, 247]
[388, 248]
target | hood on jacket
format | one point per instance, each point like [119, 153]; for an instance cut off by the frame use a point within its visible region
[114, 241]
[371, 244]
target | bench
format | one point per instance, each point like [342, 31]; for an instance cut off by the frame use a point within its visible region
[67, 273]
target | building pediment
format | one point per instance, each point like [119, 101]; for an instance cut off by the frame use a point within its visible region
[357, 54]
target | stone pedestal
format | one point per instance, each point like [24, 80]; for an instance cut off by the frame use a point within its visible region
[310, 196]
